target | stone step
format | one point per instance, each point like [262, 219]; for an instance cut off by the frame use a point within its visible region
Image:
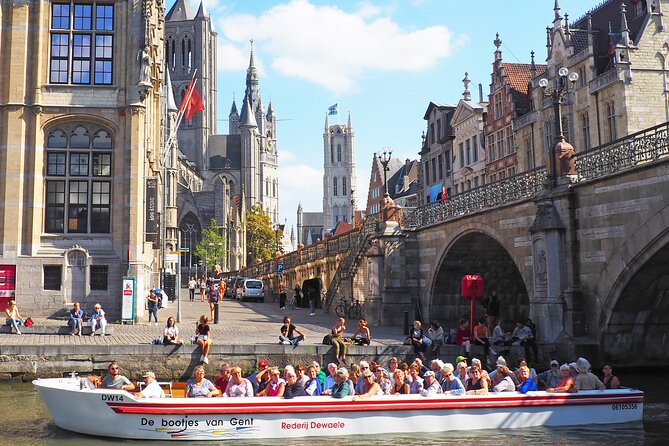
[52, 330]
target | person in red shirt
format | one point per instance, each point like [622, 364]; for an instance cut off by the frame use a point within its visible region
[462, 336]
[223, 379]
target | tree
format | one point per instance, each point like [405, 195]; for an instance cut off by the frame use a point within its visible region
[260, 236]
[212, 246]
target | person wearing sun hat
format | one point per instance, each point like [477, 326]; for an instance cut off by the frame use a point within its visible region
[151, 387]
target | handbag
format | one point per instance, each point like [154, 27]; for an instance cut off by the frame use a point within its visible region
[28, 322]
[427, 341]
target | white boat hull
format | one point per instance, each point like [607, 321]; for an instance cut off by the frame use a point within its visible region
[118, 414]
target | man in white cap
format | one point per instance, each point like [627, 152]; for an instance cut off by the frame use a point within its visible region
[550, 377]
[431, 386]
[151, 387]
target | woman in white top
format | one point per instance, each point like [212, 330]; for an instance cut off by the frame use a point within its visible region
[98, 319]
[171, 332]
[14, 318]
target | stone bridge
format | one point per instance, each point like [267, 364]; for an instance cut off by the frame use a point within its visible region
[586, 258]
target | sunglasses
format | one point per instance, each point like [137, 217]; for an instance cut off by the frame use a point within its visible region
[365, 367]
[113, 368]
[554, 365]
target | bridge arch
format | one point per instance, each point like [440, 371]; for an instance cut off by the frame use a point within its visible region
[478, 249]
[634, 322]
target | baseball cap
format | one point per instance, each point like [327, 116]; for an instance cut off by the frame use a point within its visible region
[147, 374]
[428, 373]
[554, 362]
[263, 363]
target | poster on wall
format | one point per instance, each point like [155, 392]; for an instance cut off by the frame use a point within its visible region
[128, 300]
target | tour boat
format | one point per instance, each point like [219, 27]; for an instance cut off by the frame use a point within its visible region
[77, 406]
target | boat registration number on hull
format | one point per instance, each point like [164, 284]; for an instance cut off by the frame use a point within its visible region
[624, 406]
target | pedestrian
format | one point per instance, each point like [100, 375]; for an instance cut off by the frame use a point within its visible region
[203, 287]
[298, 295]
[312, 302]
[214, 294]
[152, 304]
[282, 298]
[491, 305]
[192, 284]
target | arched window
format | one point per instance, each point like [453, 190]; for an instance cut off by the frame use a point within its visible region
[334, 186]
[183, 53]
[331, 155]
[338, 152]
[344, 189]
[78, 179]
[190, 56]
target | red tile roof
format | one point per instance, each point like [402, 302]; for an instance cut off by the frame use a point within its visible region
[518, 75]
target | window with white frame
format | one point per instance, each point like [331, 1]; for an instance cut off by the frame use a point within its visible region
[82, 43]
[78, 179]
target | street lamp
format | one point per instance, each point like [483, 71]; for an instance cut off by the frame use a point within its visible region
[353, 206]
[558, 94]
[385, 159]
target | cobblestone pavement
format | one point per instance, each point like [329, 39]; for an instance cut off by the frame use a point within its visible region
[246, 323]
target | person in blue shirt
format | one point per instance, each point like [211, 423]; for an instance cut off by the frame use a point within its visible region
[451, 384]
[76, 321]
[527, 383]
[313, 385]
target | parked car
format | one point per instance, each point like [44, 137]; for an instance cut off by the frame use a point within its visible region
[237, 282]
[251, 289]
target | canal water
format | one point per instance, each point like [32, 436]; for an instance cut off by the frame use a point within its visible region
[26, 422]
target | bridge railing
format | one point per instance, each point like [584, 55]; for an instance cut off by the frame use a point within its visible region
[625, 153]
[508, 190]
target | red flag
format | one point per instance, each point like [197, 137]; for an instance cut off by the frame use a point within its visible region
[192, 103]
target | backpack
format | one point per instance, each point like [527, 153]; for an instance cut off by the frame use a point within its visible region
[327, 339]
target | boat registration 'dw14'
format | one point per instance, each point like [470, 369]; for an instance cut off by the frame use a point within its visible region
[77, 406]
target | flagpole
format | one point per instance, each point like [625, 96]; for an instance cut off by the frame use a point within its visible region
[173, 131]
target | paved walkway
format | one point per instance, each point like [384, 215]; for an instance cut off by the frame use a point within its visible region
[240, 323]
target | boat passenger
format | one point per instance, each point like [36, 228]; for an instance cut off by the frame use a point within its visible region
[462, 371]
[476, 385]
[476, 362]
[383, 380]
[114, 380]
[223, 379]
[451, 384]
[522, 362]
[392, 365]
[436, 333]
[586, 380]
[435, 366]
[359, 385]
[338, 339]
[416, 338]
[330, 379]
[275, 386]
[354, 376]
[362, 336]
[203, 333]
[199, 386]
[421, 367]
[151, 387]
[320, 373]
[14, 318]
[370, 387]
[260, 377]
[527, 384]
[462, 336]
[572, 370]
[292, 334]
[98, 319]
[416, 384]
[292, 387]
[550, 377]
[566, 382]
[302, 378]
[400, 386]
[287, 369]
[431, 385]
[171, 333]
[342, 386]
[610, 380]
[238, 387]
[313, 386]
[505, 383]
[76, 320]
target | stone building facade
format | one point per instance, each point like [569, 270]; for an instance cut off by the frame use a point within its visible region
[339, 178]
[81, 139]
[436, 155]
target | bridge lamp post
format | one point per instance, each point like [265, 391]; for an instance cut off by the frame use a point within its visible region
[558, 96]
[353, 206]
[385, 160]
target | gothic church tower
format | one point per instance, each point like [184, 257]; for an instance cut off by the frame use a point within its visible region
[339, 173]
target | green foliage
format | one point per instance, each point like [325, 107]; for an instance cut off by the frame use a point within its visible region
[211, 249]
[260, 236]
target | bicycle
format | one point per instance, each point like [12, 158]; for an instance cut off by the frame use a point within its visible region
[350, 310]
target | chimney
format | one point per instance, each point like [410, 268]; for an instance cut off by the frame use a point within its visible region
[480, 93]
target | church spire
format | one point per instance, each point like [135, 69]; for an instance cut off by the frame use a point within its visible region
[252, 71]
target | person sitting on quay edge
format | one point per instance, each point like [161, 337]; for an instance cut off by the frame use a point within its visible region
[550, 377]
[416, 338]
[151, 387]
[313, 385]
[76, 320]
[238, 387]
[342, 385]
[338, 340]
[586, 380]
[610, 380]
[476, 384]
[451, 384]
[171, 333]
[199, 386]
[481, 336]
[362, 336]
[114, 380]
[436, 333]
[431, 386]
[370, 387]
[462, 336]
[505, 382]
[14, 318]
[522, 335]
[222, 380]
[292, 387]
[292, 334]
[565, 383]
[203, 338]
[527, 384]
[98, 319]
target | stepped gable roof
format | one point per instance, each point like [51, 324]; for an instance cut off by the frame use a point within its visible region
[225, 152]
[180, 11]
[518, 75]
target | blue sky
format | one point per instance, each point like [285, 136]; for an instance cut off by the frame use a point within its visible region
[383, 61]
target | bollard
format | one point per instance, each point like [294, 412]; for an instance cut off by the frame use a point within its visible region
[216, 313]
[406, 323]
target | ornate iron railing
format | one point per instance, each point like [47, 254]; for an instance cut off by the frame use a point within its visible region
[508, 190]
[639, 148]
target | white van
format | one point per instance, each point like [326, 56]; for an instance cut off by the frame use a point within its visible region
[251, 289]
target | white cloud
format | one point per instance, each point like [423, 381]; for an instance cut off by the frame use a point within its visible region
[286, 155]
[322, 44]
